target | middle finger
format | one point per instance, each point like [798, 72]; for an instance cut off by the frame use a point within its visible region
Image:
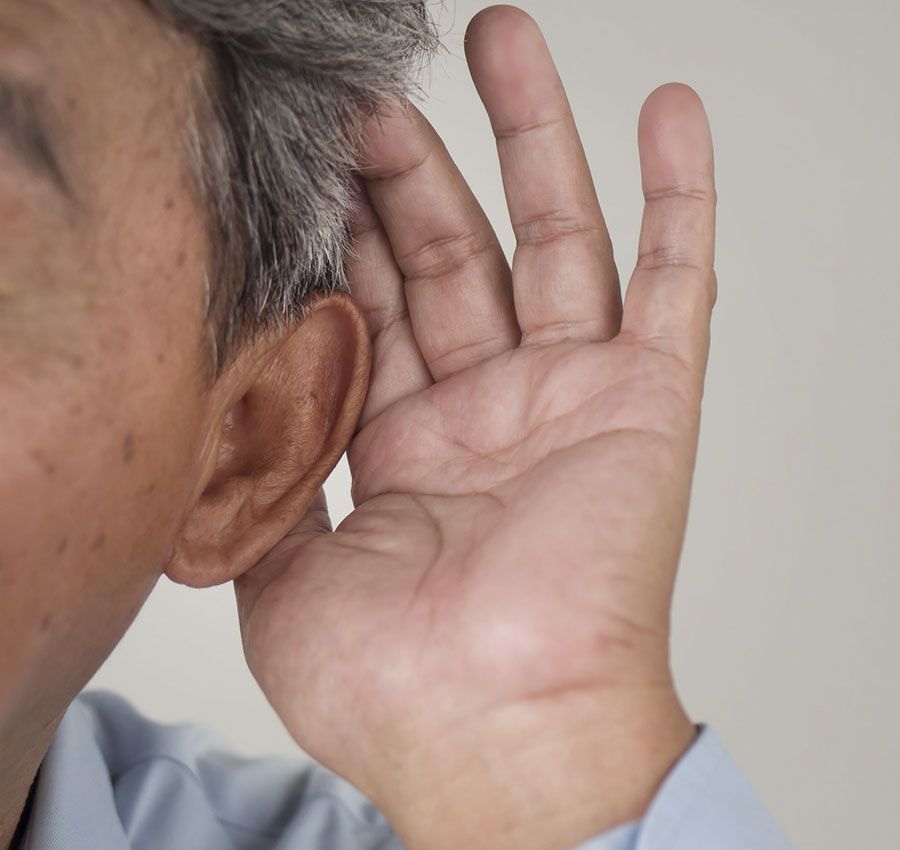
[565, 279]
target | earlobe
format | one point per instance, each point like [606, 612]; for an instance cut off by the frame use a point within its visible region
[277, 443]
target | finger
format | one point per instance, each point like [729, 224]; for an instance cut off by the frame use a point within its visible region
[458, 289]
[316, 520]
[398, 368]
[565, 278]
[673, 289]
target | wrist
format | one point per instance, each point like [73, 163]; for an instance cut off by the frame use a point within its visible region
[537, 775]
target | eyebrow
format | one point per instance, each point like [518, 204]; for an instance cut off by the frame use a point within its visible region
[24, 127]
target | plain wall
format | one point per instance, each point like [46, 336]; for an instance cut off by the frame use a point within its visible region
[786, 634]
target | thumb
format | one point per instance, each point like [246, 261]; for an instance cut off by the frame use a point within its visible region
[315, 522]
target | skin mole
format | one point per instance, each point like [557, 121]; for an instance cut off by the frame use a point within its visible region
[39, 458]
[128, 448]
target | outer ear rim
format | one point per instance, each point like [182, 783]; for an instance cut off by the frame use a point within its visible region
[209, 566]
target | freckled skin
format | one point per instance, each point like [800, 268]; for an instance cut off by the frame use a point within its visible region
[128, 448]
[103, 405]
[111, 414]
[84, 401]
[504, 623]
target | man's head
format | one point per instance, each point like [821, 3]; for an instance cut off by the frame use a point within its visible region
[179, 369]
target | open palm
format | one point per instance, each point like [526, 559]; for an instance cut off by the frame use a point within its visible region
[522, 468]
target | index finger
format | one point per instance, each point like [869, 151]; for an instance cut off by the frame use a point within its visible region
[672, 291]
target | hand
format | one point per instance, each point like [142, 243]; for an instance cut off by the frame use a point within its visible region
[482, 645]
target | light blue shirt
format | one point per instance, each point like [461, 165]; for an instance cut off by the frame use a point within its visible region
[113, 780]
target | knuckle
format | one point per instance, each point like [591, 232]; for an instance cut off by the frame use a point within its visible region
[443, 256]
[682, 191]
[518, 130]
[554, 227]
[668, 256]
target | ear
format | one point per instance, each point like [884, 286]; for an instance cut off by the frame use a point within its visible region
[297, 401]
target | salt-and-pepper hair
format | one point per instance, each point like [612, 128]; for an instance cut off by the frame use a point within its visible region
[277, 135]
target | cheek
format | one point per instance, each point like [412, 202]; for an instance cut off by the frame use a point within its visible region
[98, 436]
[103, 407]
[101, 391]
[99, 452]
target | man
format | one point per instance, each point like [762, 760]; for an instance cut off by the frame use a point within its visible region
[481, 648]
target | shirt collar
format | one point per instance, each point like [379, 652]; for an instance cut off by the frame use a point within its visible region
[73, 804]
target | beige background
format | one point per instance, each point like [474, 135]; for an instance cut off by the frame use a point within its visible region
[786, 631]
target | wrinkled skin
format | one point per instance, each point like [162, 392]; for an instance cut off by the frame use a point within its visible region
[101, 346]
[497, 603]
[495, 611]
[122, 454]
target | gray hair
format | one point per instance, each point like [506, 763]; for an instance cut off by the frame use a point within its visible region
[290, 85]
